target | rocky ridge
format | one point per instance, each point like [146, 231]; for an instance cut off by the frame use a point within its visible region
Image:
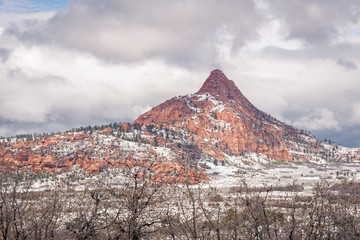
[175, 139]
[224, 123]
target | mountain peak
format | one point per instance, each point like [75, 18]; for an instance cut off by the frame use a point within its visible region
[215, 80]
[218, 74]
[218, 85]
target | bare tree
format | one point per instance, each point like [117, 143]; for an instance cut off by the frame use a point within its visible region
[138, 204]
[24, 213]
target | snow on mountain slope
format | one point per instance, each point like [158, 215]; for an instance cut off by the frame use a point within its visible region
[177, 139]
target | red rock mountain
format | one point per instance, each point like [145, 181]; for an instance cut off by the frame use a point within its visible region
[223, 122]
[224, 118]
[217, 123]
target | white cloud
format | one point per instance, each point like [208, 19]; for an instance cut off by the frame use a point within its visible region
[37, 87]
[318, 120]
[355, 118]
[27, 109]
[183, 32]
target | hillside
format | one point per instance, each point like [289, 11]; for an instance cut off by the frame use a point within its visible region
[176, 139]
[222, 122]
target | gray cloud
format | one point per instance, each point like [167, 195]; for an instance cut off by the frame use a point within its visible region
[51, 98]
[305, 87]
[184, 32]
[315, 21]
[4, 54]
[348, 65]
[50, 104]
[340, 51]
[318, 120]
[50, 89]
[348, 136]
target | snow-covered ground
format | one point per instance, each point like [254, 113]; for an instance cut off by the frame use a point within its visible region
[281, 174]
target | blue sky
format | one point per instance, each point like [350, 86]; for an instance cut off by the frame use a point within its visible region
[28, 6]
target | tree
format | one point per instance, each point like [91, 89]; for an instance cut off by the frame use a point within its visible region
[24, 213]
[137, 204]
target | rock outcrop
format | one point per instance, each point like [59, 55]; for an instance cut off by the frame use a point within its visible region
[224, 119]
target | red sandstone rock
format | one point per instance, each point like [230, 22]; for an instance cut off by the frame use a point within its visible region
[106, 131]
[220, 100]
[125, 126]
[18, 144]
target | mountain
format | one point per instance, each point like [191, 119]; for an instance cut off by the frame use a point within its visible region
[175, 139]
[223, 122]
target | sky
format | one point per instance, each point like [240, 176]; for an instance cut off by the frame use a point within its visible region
[66, 64]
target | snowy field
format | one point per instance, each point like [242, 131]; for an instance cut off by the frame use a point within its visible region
[282, 174]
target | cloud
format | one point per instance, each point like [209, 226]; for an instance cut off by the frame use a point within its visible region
[183, 32]
[316, 22]
[355, 119]
[39, 91]
[318, 120]
[297, 85]
[348, 136]
[28, 109]
[348, 65]
[4, 54]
